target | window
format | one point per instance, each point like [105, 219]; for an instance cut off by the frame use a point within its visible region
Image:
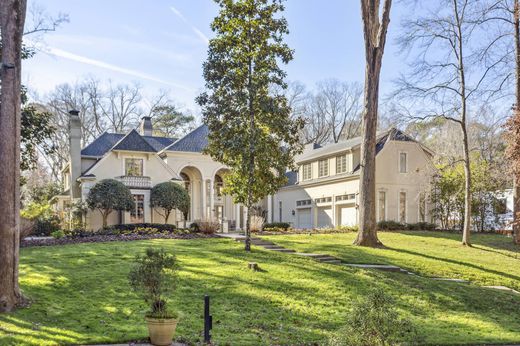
[307, 171]
[280, 211]
[134, 167]
[403, 162]
[341, 164]
[303, 202]
[137, 212]
[323, 200]
[323, 168]
[382, 206]
[402, 207]
[345, 197]
[422, 207]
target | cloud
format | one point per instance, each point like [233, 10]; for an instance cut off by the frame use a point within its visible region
[199, 33]
[97, 63]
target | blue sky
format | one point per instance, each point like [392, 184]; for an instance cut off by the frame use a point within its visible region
[162, 44]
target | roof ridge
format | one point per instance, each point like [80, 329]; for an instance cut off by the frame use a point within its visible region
[127, 136]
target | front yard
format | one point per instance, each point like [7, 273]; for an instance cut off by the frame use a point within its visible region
[80, 293]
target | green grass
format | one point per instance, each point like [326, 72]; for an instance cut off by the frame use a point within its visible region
[493, 259]
[80, 295]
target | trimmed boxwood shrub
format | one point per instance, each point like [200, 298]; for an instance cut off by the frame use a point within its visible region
[126, 229]
[276, 226]
[397, 226]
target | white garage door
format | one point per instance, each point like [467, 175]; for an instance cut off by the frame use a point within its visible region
[304, 218]
[348, 216]
[325, 217]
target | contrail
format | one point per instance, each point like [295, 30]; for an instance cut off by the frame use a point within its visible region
[199, 33]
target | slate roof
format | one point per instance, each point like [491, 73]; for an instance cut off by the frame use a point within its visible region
[134, 142]
[101, 145]
[292, 178]
[195, 141]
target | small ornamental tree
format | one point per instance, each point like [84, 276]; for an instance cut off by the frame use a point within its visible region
[169, 196]
[109, 195]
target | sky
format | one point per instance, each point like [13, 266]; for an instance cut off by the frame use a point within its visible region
[162, 44]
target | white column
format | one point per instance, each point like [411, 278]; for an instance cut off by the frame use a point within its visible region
[237, 216]
[204, 200]
[212, 198]
[269, 208]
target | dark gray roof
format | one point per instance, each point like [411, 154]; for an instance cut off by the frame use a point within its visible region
[134, 142]
[292, 178]
[195, 141]
[107, 140]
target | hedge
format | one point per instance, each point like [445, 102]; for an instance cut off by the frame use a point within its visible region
[274, 226]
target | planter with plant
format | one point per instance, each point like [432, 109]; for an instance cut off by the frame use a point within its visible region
[154, 277]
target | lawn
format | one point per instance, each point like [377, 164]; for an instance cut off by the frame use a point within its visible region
[492, 261]
[80, 295]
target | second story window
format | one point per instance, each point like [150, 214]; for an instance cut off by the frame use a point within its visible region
[323, 168]
[403, 163]
[341, 164]
[307, 171]
[134, 167]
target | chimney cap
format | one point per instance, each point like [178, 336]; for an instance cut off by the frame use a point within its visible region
[74, 112]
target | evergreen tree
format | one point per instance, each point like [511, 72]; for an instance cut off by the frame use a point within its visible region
[250, 128]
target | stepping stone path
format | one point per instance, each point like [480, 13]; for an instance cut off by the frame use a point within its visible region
[324, 258]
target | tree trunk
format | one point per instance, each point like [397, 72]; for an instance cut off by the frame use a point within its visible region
[251, 163]
[516, 179]
[166, 216]
[12, 17]
[104, 215]
[375, 37]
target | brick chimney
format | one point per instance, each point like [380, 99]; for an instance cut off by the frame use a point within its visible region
[75, 152]
[146, 127]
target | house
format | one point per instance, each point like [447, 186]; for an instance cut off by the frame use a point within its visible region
[141, 160]
[323, 191]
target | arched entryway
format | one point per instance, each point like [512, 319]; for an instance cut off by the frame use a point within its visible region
[192, 180]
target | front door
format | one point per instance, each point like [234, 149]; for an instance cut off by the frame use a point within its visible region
[137, 212]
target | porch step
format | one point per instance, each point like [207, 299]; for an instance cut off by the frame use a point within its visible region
[383, 267]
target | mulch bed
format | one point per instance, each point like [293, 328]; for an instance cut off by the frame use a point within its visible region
[108, 238]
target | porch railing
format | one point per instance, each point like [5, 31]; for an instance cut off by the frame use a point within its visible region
[138, 182]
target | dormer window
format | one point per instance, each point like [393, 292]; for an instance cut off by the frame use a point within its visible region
[403, 162]
[134, 167]
[307, 171]
[323, 168]
[341, 164]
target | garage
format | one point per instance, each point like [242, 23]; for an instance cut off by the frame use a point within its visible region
[304, 218]
[325, 217]
[348, 216]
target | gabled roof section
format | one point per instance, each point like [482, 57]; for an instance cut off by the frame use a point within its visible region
[102, 144]
[195, 141]
[159, 143]
[133, 142]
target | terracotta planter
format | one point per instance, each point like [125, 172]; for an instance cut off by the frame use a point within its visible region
[161, 330]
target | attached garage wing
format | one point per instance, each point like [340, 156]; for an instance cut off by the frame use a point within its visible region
[325, 217]
[304, 218]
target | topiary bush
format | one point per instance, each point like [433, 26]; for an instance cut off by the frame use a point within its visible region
[169, 196]
[109, 195]
[397, 226]
[276, 227]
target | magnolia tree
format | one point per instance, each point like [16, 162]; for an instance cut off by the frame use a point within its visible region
[169, 196]
[109, 195]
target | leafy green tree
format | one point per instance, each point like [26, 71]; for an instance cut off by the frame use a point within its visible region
[169, 196]
[250, 128]
[109, 195]
[170, 121]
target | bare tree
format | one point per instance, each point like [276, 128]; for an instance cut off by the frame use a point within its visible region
[374, 28]
[440, 83]
[12, 19]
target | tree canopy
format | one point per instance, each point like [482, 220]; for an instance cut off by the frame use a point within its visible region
[169, 196]
[109, 195]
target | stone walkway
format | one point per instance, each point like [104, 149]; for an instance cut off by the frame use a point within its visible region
[325, 258]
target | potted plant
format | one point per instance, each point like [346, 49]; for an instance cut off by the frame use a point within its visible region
[153, 277]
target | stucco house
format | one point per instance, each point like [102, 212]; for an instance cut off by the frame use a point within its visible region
[322, 193]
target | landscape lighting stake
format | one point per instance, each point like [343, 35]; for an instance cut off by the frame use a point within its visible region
[208, 320]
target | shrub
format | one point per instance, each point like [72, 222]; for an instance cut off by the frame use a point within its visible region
[397, 226]
[153, 277]
[45, 221]
[194, 227]
[421, 226]
[58, 234]
[390, 225]
[256, 223]
[375, 321]
[276, 227]
[169, 196]
[27, 227]
[208, 226]
[354, 228]
[109, 195]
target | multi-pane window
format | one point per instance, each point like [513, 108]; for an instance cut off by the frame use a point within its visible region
[323, 200]
[134, 167]
[323, 168]
[137, 212]
[307, 171]
[422, 207]
[341, 164]
[345, 197]
[402, 207]
[403, 164]
[303, 202]
[382, 205]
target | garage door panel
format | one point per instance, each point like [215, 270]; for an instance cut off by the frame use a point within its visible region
[348, 216]
[304, 218]
[325, 217]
